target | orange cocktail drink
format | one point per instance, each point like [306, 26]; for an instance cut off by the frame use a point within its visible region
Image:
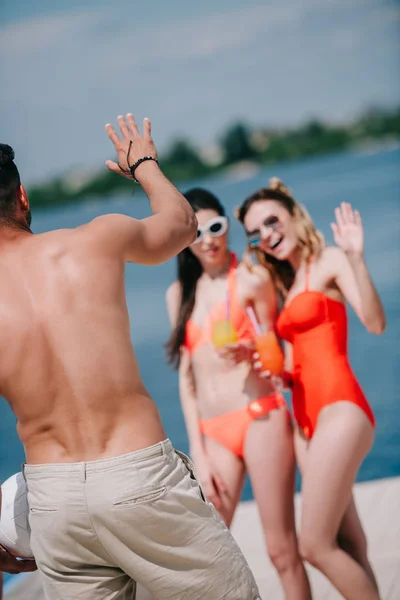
[270, 352]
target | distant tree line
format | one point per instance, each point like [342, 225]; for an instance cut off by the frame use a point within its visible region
[239, 143]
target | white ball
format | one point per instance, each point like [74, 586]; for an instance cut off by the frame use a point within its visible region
[15, 532]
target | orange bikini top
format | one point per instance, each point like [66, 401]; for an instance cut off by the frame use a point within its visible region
[310, 309]
[196, 336]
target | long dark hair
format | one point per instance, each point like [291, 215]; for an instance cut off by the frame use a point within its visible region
[189, 272]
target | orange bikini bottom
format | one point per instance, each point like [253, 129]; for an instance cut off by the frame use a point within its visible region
[230, 429]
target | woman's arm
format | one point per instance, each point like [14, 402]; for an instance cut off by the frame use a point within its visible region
[261, 296]
[256, 292]
[352, 275]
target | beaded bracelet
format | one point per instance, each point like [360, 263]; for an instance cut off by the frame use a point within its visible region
[135, 165]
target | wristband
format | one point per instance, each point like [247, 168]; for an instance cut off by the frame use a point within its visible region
[135, 165]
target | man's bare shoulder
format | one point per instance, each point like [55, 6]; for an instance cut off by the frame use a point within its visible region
[99, 233]
[53, 236]
[108, 220]
[104, 226]
[123, 237]
[37, 245]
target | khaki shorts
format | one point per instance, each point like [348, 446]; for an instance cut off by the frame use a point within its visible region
[99, 527]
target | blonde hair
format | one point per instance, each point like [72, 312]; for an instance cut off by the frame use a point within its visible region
[311, 239]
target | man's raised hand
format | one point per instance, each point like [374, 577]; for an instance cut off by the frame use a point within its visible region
[132, 146]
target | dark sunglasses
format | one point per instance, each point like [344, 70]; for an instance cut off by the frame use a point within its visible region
[254, 237]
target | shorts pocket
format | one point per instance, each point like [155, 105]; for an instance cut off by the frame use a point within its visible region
[43, 510]
[142, 496]
[189, 467]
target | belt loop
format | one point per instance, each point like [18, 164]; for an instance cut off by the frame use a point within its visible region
[166, 445]
[83, 472]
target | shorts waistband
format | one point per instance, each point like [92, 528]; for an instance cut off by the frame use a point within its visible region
[162, 448]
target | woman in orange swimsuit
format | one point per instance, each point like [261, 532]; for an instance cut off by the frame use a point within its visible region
[236, 422]
[335, 423]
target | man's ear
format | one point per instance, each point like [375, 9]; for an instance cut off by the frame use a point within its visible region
[23, 198]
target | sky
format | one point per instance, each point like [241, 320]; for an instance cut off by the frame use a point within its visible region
[67, 68]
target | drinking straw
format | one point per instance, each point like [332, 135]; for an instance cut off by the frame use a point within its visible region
[228, 306]
[253, 319]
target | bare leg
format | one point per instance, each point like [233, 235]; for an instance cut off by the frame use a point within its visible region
[300, 448]
[231, 470]
[351, 537]
[342, 439]
[270, 462]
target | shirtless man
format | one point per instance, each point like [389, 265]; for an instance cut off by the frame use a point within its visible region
[111, 502]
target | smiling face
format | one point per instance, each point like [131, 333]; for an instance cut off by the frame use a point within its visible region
[271, 227]
[212, 245]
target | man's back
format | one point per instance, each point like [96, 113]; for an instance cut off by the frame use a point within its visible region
[110, 500]
[67, 365]
[68, 368]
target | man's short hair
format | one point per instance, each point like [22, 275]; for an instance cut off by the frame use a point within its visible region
[9, 181]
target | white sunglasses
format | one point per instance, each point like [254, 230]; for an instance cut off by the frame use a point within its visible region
[215, 227]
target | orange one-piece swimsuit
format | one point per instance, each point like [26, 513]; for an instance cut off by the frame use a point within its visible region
[316, 326]
[230, 429]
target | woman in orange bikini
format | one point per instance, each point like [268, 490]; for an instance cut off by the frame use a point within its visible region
[335, 424]
[236, 421]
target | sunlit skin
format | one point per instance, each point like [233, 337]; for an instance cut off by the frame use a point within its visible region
[68, 368]
[331, 535]
[214, 382]
[68, 285]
